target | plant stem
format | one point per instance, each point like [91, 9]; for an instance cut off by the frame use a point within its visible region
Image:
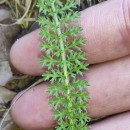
[61, 44]
[63, 54]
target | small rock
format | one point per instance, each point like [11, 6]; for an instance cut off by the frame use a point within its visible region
[5, 73]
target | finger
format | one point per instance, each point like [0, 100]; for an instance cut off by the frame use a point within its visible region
[109, 87]
[25, 53]
[118, 122]
[34, 107]
[105, 26]
[109, 94]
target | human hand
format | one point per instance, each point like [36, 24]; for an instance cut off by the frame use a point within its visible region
[106, 27]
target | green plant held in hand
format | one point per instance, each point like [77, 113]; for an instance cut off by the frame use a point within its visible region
[65, 62]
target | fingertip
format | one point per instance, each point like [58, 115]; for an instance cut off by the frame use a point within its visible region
[25, 53]
[32, 112]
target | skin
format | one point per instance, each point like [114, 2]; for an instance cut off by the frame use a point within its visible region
[118, 122]
[108, 49]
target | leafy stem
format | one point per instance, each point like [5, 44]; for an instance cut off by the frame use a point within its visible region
[65, 62]
[63, 54]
